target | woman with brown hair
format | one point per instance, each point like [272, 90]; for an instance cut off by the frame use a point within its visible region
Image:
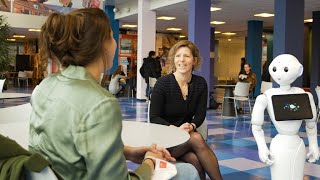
[75, 123]
[180, 99]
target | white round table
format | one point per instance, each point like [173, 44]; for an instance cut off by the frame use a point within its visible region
[13, 95]
[138, 134]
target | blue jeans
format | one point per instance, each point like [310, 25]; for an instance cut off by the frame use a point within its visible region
[186, 171]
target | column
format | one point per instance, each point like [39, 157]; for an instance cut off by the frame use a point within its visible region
[115, 28]
[146, 41]
[199, 31]
[254, 51]
[315, 61]
[288, 30]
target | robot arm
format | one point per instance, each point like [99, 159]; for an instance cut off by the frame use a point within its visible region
[311, 128]
[258, 133]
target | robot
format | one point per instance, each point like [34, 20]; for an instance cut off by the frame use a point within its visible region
[287, 154]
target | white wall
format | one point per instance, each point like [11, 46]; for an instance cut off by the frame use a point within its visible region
[227, 65]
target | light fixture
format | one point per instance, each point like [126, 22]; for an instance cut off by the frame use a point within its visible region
[308, 20]
[229, 33]
[229, 39]
[167, 18]
[182, 36]
[18, 36]
[217, 32]
[214, 9]
[217, 22]
[264, 15]
[35, 30]
[9, 39]
[129, 25]
[264, 36]
[174, 29]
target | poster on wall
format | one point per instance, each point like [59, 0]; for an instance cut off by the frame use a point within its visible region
[46, 7]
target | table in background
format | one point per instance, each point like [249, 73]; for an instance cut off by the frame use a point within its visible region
[138, 134]
[13, 95]
[228, 106]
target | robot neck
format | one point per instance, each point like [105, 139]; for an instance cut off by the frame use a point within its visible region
[285, 87]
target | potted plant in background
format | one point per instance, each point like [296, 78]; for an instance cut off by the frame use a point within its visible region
[4, 46]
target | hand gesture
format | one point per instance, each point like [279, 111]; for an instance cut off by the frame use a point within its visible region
[187, 127]
[266, 156]
[313, 154]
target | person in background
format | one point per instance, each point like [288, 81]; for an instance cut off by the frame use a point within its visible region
[158, 68]
[149, 67]
[180, 99]
[75, 123]
[248, 76]
[243, 61]
[117, 82]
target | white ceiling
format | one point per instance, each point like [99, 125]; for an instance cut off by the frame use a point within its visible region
[235, 13]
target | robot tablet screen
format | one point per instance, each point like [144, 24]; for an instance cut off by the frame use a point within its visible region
[291, 107]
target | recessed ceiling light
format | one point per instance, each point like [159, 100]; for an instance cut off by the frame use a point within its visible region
[167, 18]
[174, 29]
[35, 30]
[229, 39]
[229, 33]
[19, 36]
[217, 22]
[182, 36]
[308, 20]
[214, 9]
[217, 32]
[11, 39]
[129, 25]
[264, 15]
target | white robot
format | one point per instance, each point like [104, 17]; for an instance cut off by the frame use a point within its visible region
[287, 154]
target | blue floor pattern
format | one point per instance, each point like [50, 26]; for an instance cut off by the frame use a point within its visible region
[230, 138]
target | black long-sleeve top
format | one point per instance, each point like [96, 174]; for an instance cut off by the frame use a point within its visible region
[168, 106]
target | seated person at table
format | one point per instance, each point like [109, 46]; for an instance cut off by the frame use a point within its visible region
[180, 99]
[248, 76]
[75, 123]
[115, 85]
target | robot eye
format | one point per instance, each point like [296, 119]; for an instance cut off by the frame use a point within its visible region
[286, 69]
[274, 69]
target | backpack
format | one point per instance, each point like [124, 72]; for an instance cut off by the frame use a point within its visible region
[142, 72]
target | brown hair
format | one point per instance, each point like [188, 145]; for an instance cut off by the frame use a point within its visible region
[117, 71]
[193, 48]
[77, 38]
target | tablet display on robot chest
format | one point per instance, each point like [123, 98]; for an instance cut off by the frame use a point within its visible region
[291, 107]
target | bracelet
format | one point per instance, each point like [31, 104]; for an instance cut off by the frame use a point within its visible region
[193, 126]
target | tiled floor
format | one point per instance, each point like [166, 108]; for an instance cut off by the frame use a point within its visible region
[230, 138]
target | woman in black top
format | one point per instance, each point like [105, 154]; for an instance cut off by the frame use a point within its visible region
[180, 99]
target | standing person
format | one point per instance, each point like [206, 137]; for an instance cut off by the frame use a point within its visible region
[243, 61]
[115, 86]
[180, 99]
[248, 76]
[149, 70]
[158, 68]
[75, 123]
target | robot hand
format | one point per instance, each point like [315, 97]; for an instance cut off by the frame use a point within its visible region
[266, 156]
[313, 154]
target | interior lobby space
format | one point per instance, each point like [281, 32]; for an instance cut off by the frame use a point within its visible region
[224, 31]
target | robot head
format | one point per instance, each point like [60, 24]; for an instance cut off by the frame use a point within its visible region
[285, 69]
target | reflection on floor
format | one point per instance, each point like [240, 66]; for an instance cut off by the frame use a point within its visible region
[231, 139]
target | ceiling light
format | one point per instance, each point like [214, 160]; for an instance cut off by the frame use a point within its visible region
[129, 25]
[214, 9]
[229, 39]
[35, 30]
[308, 20]
[19, 36]
[264, 15]
[217, 22]
[11, 39]
[217, 32]
[182, 36]
[174, 29]
[167, 18]
[229, 33]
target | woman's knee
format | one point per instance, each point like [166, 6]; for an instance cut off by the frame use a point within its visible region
[197, 141]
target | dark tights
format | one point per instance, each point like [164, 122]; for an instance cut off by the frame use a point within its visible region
[198, 153]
